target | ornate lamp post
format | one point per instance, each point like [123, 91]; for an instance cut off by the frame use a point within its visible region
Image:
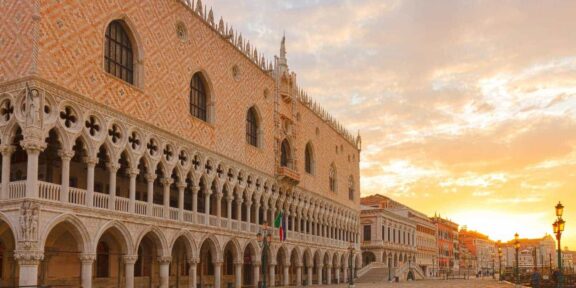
[264, 240]
[351, 276]
[499, 260]
[558, 226]
[517, 248]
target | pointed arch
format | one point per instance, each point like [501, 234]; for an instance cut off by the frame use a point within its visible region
[157, 237]
[201, 105]
[333, 178]
[190, 243]
[309, 161]
[121, 54]
[119, 231]
[214, 246]
[73, 225]
[253, 127]
[285, 154]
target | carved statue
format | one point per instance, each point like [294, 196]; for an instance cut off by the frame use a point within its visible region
[33, 106]
[28, 221]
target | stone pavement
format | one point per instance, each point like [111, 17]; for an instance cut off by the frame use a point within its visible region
[472, 283]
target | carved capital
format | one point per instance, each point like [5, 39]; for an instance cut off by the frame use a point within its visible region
[181, 185]
[91, 161]
[130, 259]
[7, 150]
[164, 259]
[65, 155]
[87, 258]
[33, 146]
[26, 257]
[167, 181]
[134, 172]
[193, 261]
[150, 177]
[113, 167]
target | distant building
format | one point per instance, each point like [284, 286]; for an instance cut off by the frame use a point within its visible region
[538, 253]
[448, 245]
[481, 248]
[568, 259]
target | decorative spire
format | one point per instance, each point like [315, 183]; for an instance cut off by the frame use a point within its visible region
[282, 61]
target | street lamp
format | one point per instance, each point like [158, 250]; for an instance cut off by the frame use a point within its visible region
[351, 276]
[558, 227]
[499, 260]
[517, 247]
[264, 240]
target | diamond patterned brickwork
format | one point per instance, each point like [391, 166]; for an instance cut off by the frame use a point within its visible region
[71, 56]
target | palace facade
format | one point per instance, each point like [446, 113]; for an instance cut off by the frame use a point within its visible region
[145, 144]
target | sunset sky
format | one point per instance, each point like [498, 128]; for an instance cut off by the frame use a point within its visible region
[466, 108]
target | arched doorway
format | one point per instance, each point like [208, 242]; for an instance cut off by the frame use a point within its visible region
[294, 264]
[308, 267]
[8, 267]
[248, 267]
[229, 265]
[49, 160]
[367, 258]
[206, 272]
[62, 250]
[108, 267]
[335, 272]
[180, 265]
[146, 268]
[325, 268]
[280, 264]
[316, 272]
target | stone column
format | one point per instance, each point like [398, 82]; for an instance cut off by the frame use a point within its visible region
[207, 193]
[219, 204]
[65, 156]
[181, 188]
[298, 275]
[33, 150]
[150, 193]
[195, 190]
[337, 274]
[319, 272]
[257, 214]
[129, 261]
[309, 276]
[7, 151]
[132, 191]
[272, 275]
[238, 274]
[28, 262]
[286, 276]
[113, 169]
[166, 195]
[229, 208]
[87, 261]
[217, 274]
[164, 262]
[91, 164]
[192, 273]
[329, 274]
[346, 274]
[265, 214]
[239, 209]
[248, 211]
[256, 270]
[273, 213]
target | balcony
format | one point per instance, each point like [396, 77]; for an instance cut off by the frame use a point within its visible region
[78, 198]
[289, 175]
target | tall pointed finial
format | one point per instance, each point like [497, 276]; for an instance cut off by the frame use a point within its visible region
[282, 61]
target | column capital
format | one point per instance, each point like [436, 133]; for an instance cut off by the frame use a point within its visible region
[25, 257]
[91, 161]
[217, 263]
[113, 167]
[219, 195]
[130, 259]
[87, 258]
[33, 145]
[195, 189]
[181, 185]
[193, 261]
[167, 181]
[150, 177]
[239, 262]
[164, 259]
[133, 172]
[7, 150]
[66, 154]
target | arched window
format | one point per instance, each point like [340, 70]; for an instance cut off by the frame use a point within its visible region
[102, 260]
[285, 159]
[351, 188]
[332, 178]
[309, 159]
[198, 97]
[118, 53]
[252, 127]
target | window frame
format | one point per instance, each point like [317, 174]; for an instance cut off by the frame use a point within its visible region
[122, 66]
[252, 127]
[199, 96]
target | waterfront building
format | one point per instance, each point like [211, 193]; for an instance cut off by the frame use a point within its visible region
[448, 245]
[481, 248]
[145, 144]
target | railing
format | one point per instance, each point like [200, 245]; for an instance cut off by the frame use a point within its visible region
[101, 200]
[141, 208]
[224, 223]
[201, 218]
[17, 189]
[213, 220]
[234, 224]
[77, 196]
[122, 204]
[174, 213]
[49, 191]
[188, 216]
[158, 210]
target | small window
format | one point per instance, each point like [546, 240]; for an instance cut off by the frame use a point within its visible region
[198, 97]
[351, 188]
[118, 54]
[285, 159]
[252, 127]
[367, 233]
[332, 178]
[309, 159]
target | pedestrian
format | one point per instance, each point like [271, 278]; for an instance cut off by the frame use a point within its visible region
[536, 279]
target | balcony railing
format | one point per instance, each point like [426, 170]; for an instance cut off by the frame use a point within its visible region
[77, 196]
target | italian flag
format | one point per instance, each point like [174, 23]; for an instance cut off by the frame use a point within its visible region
[280, 223]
